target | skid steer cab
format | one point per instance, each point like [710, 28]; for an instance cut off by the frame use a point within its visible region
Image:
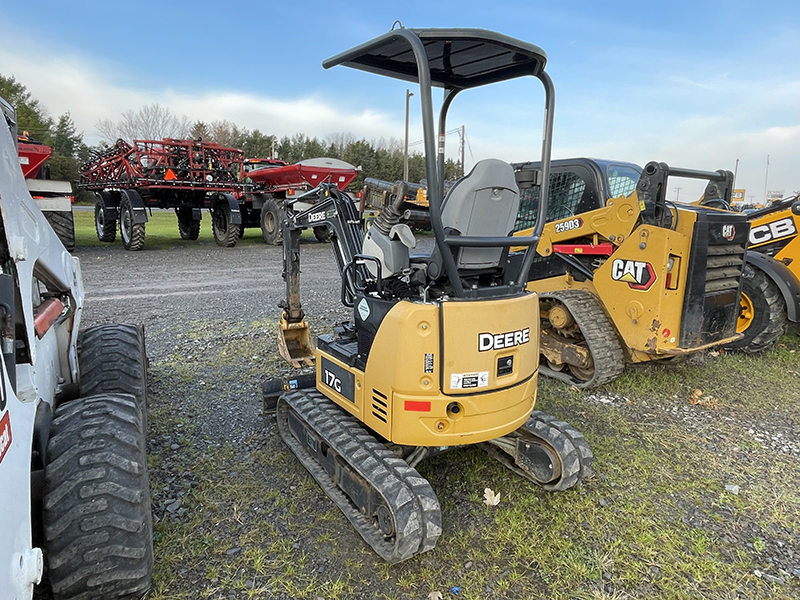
[626, 276]
[75, 493]
[443, 347]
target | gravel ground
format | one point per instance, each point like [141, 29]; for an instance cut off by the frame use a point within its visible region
[209, 317]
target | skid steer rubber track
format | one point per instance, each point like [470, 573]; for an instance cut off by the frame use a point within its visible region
[573, 456]
[598, 333]
[325, 438]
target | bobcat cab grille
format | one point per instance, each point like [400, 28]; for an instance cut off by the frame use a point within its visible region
[724, 267]
[711, 301]
[380, 406]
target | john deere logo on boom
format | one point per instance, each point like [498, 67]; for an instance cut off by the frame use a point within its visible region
[637, 274]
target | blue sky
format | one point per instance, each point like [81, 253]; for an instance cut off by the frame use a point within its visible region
[693, 84]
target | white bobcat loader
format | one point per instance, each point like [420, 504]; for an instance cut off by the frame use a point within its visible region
[74, 490]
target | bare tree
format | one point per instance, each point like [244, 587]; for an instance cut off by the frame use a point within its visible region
[227, 134]
[339, 142]
[152, 122]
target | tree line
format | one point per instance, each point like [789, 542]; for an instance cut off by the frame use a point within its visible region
[381, 159]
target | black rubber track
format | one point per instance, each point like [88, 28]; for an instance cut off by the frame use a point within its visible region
[564, 440]
[599, 334]
[132, 234]
[97, 516]
[769, 313]
[188, 228]
[409, 496]
[63, 224]
[113, 360]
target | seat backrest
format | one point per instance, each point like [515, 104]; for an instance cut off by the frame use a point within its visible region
[484, 203]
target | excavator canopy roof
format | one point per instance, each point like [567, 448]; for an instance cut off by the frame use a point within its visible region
[457, 58]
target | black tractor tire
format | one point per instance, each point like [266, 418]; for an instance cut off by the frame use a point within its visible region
[226, 234]
[132, 234]
[763, 318]
[106, 228]
[63, 224]
[322, 233]
[272, 223]
[240, 232]
[113, 360]
[98, 522]
[187, 226]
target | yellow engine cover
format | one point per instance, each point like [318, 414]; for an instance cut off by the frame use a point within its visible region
[446, 373]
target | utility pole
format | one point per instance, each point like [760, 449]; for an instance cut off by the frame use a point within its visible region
[766, 179]
[677, 194]
[735, 171]
[463, 143]
[405, 149]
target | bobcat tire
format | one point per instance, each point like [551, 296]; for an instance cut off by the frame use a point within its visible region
[272, 223]
[63, 224]
[113, 360]
[763, 318]
[97, 517]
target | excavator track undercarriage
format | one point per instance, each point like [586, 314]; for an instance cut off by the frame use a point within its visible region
[579, 341]
[391, 506]
[546, 451]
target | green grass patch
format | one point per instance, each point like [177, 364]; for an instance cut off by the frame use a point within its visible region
[656, 520]
[161, 231]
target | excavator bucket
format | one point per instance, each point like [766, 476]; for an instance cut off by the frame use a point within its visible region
[294, 343]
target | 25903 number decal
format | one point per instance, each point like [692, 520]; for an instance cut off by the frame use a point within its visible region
[563, 226]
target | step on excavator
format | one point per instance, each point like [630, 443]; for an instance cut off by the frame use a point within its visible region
[624, 275]
[443, 348]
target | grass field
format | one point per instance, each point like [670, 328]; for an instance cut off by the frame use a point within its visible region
[162, 232]
[659, 519]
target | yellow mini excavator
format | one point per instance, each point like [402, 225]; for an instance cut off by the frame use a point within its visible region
[443, 347]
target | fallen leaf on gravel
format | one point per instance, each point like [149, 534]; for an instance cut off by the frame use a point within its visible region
[435, 596]
[707, 401]
[490, 498]
[713, 353]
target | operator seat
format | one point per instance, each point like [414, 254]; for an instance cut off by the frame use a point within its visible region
[484, 203]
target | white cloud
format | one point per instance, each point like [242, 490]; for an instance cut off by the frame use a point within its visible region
[71, 83]
[688, 121]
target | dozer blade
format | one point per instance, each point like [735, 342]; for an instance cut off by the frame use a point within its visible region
[294, 343]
